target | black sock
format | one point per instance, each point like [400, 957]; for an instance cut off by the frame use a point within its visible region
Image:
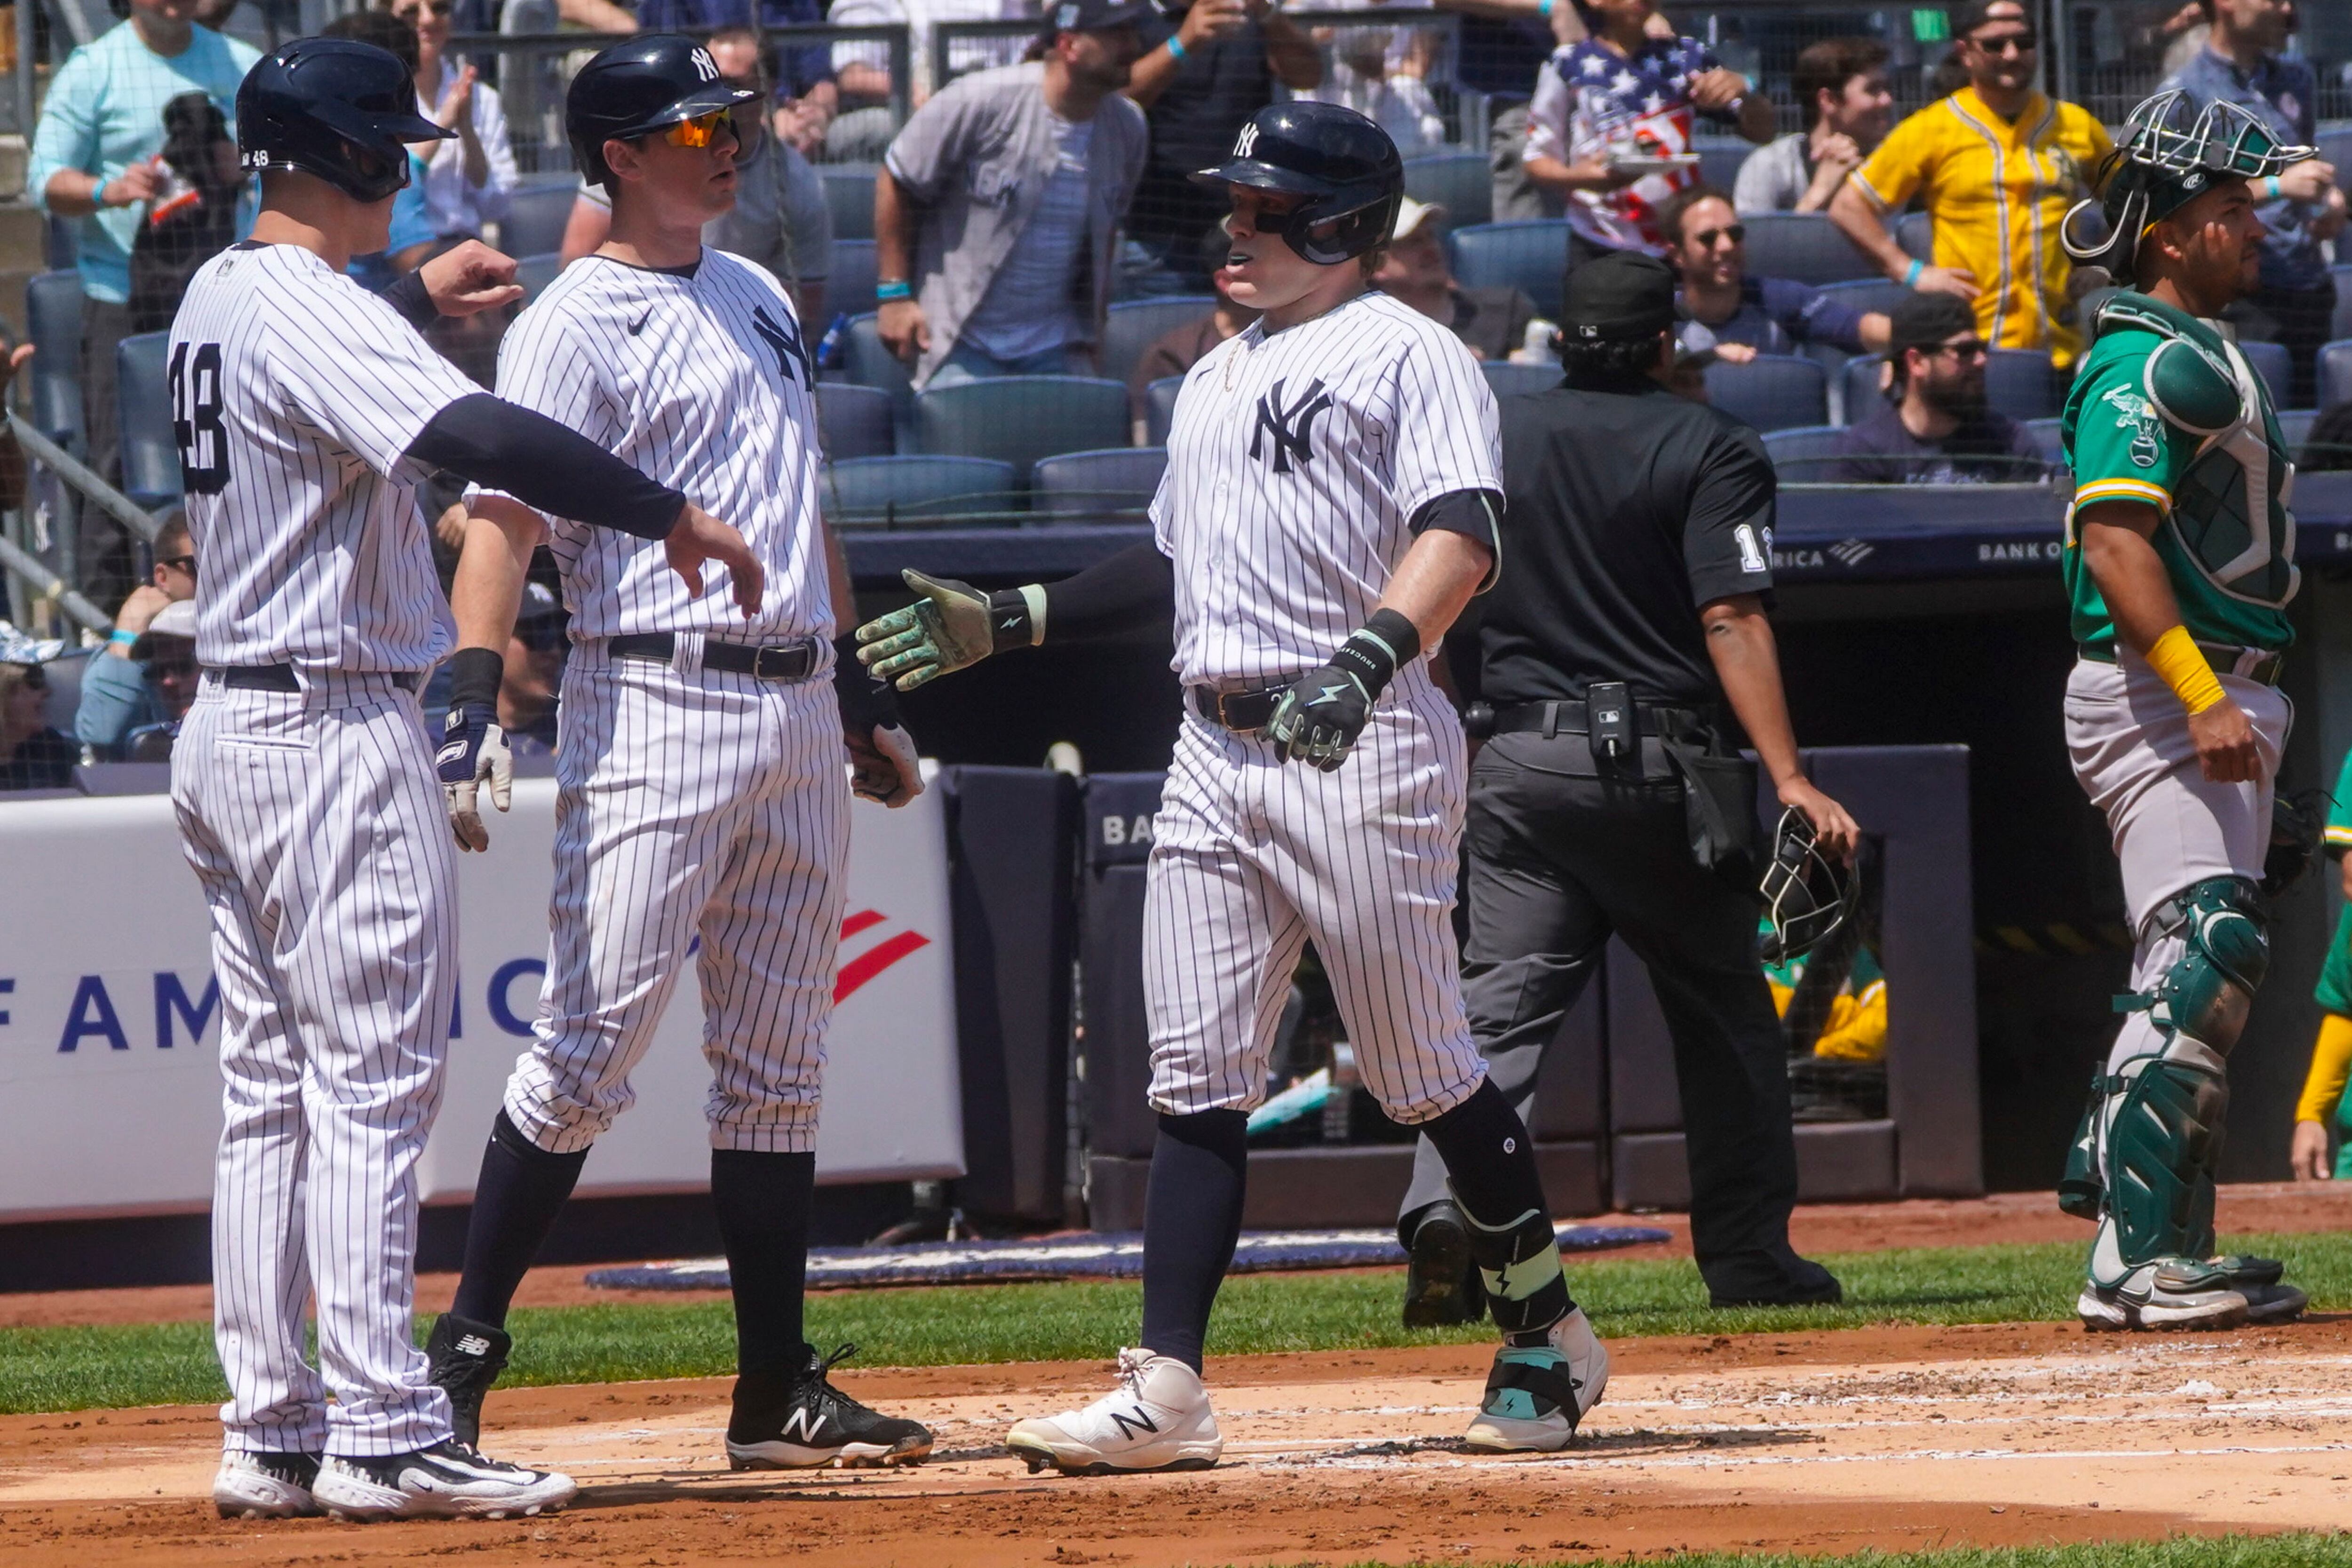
[763, 1220]
[520, 1191]
[1192, 1217]
[1490, 1163]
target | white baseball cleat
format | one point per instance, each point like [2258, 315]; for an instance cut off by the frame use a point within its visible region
[2169, 1293]
[1536, 1394]
[448, 1481]
[1157, 1419]
[251, 1485]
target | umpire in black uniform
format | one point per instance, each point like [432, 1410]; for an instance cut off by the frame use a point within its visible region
[1611, 797]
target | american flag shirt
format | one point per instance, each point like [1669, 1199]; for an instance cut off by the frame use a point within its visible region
[1592, 102]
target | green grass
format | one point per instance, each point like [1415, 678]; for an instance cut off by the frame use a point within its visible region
[2295, 1550]
[171, 1364]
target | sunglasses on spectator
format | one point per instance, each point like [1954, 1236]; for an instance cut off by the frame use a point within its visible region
[1706, 238]
[1974, 348]
[699, 131]
[412, 13]
[2023, 43]
[180, 563]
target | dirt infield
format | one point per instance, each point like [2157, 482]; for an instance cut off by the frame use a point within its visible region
[1892, 1438]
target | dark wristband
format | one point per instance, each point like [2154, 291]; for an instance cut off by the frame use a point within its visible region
[1011, 622]
[501, 446]
[474, 675]
[408, 295]
[865, 701]
[1384, 645]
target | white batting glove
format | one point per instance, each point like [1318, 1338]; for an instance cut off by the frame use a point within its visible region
[473, 748]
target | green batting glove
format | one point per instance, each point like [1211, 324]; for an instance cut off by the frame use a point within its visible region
[952, 626]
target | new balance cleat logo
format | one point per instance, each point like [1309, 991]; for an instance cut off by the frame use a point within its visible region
[473, 1344]
[1137, 1420]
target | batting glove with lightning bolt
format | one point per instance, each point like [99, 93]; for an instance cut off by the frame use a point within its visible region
[1318, 720]
[473, 746]
[883, 765]
[951, 627]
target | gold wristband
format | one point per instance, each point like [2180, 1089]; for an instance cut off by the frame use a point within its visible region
[2176, 656]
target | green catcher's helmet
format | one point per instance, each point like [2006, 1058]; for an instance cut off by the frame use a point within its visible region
[2171, 152]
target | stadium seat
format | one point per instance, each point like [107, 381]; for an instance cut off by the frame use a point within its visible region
[915, 492]
[2046, 436]
[1018, 419]
[1719, 158]
[1134, 325]
[1771, 392]
[535, 218]
[1530, 256]
[1509, 380]
[1114, 480]
[1806, 247]
[2335, 144]
[1461, 182]
[151, 456]
[2342, 273]
[53, 321]
[2295, 426]
[2021, 384]
[65, 673]
[849, 283]
[1863, 395]
[856, 421]
[2275, 366]
[1880, 294]
[2335, 374]
[536, 272]
[849, 196]
[1915, 233]
[1801, 453]
[125, 778]
[1159, 408]
[871, 364]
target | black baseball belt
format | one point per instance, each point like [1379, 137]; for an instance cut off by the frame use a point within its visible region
[775, 661]
[1243, 713]
[1569, 716]
[2245, 663]
[281, 677]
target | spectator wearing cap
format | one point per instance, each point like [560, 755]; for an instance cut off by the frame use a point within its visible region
[1180, 348]
[2302, 207]
[32, 755]
[1707, 244]
[1843, 87]
[1613, 121]
[165, 657]
[997, 209]
[1490, 321]
[1935, 427]
[1208, 66]
[117, 692]
[1997, 165]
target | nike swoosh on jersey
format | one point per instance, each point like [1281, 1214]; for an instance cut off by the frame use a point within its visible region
[639, 324]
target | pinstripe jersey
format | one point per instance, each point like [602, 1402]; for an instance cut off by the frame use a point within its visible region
[701, 380]
[1295, 463]
[295, 396]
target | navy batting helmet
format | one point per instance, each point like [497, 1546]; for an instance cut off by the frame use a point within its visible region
[1344, 165]
[334, 107]
[638, 87]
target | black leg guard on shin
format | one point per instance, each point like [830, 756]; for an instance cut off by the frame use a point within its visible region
[520, 1192]
[1490, 1163]
[763, 1221]
[1192, 1218]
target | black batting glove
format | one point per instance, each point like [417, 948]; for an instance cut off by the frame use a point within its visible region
[1318, 720]
[883, 765]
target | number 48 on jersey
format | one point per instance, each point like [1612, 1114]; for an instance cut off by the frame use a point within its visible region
[203, 440]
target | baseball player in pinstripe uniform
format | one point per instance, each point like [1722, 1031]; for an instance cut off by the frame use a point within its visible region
[306, 411]
[1330, 507]
[702, 786]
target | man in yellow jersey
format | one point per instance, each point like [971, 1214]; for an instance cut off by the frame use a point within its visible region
[2322, 1098]
[1998, 164]
[2179, 563]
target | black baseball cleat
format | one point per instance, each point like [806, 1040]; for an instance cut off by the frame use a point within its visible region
[1807, 1284]
[1441, 1281]
[464, 1358]
[785, 1421]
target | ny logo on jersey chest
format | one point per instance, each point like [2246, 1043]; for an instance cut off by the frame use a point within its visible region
[1292, 425]
[785, 340]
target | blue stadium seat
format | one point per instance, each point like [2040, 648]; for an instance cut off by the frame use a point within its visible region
[535, 215]
[1531, 255]
[151, 456]
[849, 282]
[1915, 233]
[915, 492]
[1860, 379]
[1880, 294]
[856, 421]
[1771, 392]
[1719, 158]
[2342, 273]
[849, 196]
[1509, 380]
[1018, 419]
[1114, 480]
[2295, 426]
[536, 272]
[53, 322]
[1159, 408]
[1806, 247]
[1461, 182]
[2046, 436]
[1134, 325]
[1801, 453]
[2275, 366]
[870, 363]
[2336, 373]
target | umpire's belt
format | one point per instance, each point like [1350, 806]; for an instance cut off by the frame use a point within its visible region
[777, 661]
[1241, 711]
[1567, 717]
[2246, 663]
[281, 677]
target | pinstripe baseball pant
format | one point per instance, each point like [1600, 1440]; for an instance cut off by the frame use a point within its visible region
[1252, 857]
[317, 827]
[690, 803]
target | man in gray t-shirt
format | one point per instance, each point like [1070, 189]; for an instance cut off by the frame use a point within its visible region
[1843, 85]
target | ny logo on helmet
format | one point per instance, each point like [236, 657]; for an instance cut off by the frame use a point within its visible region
[1245, 140]
[704, 68]
[1292, 428]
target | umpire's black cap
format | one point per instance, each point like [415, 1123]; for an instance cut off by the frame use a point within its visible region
[638, 87]
[335, 107]
[1621, 297]
[1344, 165]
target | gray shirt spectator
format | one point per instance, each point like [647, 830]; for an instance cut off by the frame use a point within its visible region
[1842, 84]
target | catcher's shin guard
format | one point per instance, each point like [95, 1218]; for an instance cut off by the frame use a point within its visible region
[1519, 1266]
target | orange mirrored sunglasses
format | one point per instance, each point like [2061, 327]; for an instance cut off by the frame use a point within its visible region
[699, 130]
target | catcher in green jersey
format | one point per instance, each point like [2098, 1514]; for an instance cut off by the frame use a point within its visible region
[2179, 563]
